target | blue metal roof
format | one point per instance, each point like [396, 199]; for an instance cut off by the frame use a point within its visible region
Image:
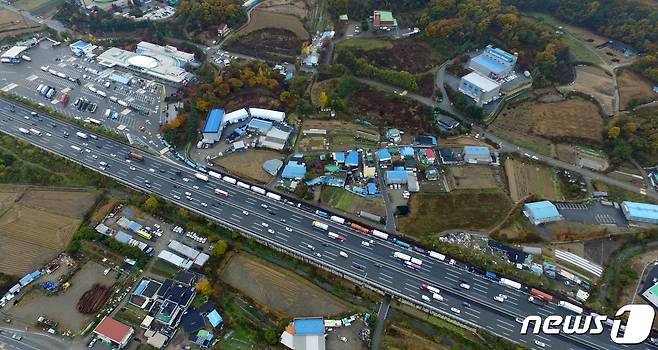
[339, 156]
[505, 56]
[260, 124]
[542, 210]
[407, 151]
[80, 44]
[383, 154]
[313, 325]
[352, 158]
[476, 150]
[141, 286]
[119, 78]
[372, 188]
[641, 210]
[122, 237]
[399, 175]
[214, 318]
[294, 170]
[214, 120]
[489, 64]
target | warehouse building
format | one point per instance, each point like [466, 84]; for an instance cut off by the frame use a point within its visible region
[479, 88]
[276, 137]
[477, 155]
[294, 171]
[398, 176]
[541, 212]
[113, 332]
[162, 63]
[211, 130]
[13, 55]
[267, 114]
[493, 63]
[82, 48]
[641, 212]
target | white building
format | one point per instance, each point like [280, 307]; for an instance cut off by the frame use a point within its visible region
[479, 88]
[493, 63]
[162, 63]
[267, 114]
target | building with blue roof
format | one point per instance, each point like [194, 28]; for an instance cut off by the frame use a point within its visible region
[259, 125]
[493, 63]
[211, 130]
[372, 188]
[27, 279]
[118, 78]
[393, 135]
[642, 212]
[339, 157]
[352, 158]
[396, 177]
[407, 151]
[477, 155]
[383, 155]
[541, 212]
[81, 48]
[294, 171]
[214, 318]
[310, 325]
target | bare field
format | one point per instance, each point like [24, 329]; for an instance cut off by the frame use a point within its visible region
[282, 290]
[261, 19]
[594, 82]
[558, 120]
[36, 230]
[633, 87]
[341, 136]
[473, 177]
[527, 179]
[13, 24]
[297, 8]
[248, 163]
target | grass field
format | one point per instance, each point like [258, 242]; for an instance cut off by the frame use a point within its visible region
[525, 179]
[278, 289]
[12, 24]
[163, 268]
[461, 209]
[473, 177]
[634, 88]
[594, 82]
[39, 7]
[248, 164]
[346, 201]
[365, 44]
[580, 51]
[539, 125]
[265, 19]
[38, 226]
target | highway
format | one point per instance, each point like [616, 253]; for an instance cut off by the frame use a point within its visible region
[244, 210]
[30, 340]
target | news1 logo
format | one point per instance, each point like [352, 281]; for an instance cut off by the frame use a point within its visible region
[637, 329]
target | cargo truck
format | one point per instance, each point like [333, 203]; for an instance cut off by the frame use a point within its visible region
[336, 236]
[257, 189]
[337, 219]
[221, 192]
[202, 177]
[82, 135]
[24, 131]
[229, 180]
[319, 225]
[570, 307]
[274, 196]
[380, 234]
[136, 156]
[541, 295]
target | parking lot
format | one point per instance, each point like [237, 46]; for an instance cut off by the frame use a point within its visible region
[135, 104]
[595, 213]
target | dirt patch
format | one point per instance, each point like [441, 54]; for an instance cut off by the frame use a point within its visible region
[12, 24]
[37, 228]
[473, 177]
[409, 55]
[341, 136]
[62, 307]
[554, 121]
[253, 98]
[633, 89]
[463, 209]
[594, 82]
[400, 338]
[391, 111]
[279, 289]
[348, 202]
[297, 8]
[248, 164]
[270, 43]
[271, 20]
[527, 179]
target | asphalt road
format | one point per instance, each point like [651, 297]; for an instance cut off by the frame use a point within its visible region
[30, 340]
[374, 264]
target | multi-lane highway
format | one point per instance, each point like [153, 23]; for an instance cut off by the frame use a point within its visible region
[288, 227]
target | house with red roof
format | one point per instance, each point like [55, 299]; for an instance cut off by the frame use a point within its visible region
[114, 332]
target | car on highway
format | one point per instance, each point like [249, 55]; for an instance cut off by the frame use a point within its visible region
[133, 168]
[318, 255]
[151, 170]
[16, 337]
[264, 206]
[245, 212]
[188, 193]
[466, 304]
[195, 187]
[186, 179]
[343, 254]
[455, 310]
[310, 247]
[498, 298]
[465, 285]
[518, 320]
[204, 204]
[426, 298]
[541, 344]
[288, 229]
[270, 231]
[264, 224]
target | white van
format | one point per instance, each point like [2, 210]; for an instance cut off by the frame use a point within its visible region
[425, 298]
[343, 254]
[437, 296]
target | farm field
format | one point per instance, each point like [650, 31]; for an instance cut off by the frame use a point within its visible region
[297, 8]
[594, 82]
[62, 307]
[409, 55]
[633, 89]
[364, 44]
[38, 227]
[42, 8]
[391, 111]
[341, 136]
[279, 289]
[261, 19]
[400, 338]
[12, 24]
[248, 163]
[473, 177]
[526, 179]
[432, 213]
[348, 202]
[541, 125]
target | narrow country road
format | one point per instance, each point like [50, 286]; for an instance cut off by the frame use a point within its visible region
[51, 23]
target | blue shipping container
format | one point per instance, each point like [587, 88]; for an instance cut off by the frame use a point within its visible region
[322, 213]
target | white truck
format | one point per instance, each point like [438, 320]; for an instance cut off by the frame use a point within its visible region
[202, 177]
[571, 307]
[35, 132]
[82, 135]
[320, 226]
[24, 131]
